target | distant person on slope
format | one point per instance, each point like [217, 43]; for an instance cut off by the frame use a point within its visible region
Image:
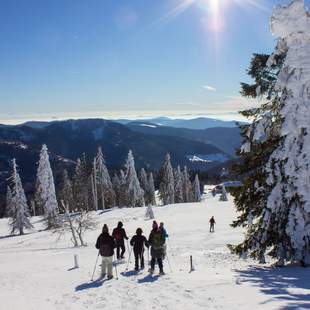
[105, 244]
[165, 235]
[156, 241]
[119, 234]
[138, 241]
[212, 223]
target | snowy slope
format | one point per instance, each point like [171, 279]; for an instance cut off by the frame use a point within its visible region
[36, 270]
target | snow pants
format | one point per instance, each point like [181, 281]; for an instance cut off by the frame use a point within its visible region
[106, 266]
[159, 262]
[139, 256]
[119, 247]
[211, 227]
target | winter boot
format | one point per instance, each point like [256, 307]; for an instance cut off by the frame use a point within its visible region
[110, 277]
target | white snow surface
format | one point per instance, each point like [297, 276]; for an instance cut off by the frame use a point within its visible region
[37, 271]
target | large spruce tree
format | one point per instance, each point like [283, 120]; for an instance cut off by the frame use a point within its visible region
[274, 202]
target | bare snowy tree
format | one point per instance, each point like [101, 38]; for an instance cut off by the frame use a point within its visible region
[75, 223]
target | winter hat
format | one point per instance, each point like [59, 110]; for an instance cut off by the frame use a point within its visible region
[120, 224]
[139, 231]
[105, 228]
[155, 225]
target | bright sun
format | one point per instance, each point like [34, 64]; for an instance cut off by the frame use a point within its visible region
[215, 9]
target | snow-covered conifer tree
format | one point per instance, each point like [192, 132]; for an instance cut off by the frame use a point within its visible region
[45, 190]
[178, 185]
[223, 196]
[196, 189]
[117, 188]
[281, 222]
[9, 206]
[149, 214]
[151, 200]
[134, 193]
[19, 210]
[144, 183]
[82, 185]
[103, 181]
[66, 191]
[166, 186]
[187, 187]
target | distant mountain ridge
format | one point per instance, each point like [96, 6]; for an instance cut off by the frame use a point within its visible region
[194, 123]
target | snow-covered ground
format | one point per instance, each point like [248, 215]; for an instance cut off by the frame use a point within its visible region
[37, 271]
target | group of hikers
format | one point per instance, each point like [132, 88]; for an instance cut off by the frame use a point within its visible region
[106, 244]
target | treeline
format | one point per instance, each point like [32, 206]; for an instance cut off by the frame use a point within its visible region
[90, 187]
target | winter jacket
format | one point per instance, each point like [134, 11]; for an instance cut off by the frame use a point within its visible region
[156, 241]
[105, 244]
[138, 242]
[164, 232]
[119, 234]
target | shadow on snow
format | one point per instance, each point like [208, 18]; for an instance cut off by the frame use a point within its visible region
[279, 283]
[148, 279]
[88, 285]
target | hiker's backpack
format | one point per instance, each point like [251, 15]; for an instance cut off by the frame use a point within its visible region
[118, 236]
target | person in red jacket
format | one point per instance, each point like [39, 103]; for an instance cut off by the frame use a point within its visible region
[212, 223]
[106, 245]
[119, 234]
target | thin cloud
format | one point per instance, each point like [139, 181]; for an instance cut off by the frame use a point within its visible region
[209, 87]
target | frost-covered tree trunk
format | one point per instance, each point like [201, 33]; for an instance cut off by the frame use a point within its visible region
[19, 210]
[103, 181]
[178, 185]
[196, 188]
[45, 190]
[166, 186]
[134, 193]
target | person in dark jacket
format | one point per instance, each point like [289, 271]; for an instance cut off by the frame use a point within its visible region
[138, 241]
[119, 234]
[212, 223]
[156, 241]
[105, 244]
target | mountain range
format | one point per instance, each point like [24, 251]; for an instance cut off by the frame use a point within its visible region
[199, 149]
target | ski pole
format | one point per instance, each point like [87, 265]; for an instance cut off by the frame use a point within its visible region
[128, 259]
[115, 267]
[168, 262]
[92, 278]
[148, 256]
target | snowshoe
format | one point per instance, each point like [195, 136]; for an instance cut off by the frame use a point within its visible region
[161, 273]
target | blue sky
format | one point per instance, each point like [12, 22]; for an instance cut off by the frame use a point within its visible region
[77, 56]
